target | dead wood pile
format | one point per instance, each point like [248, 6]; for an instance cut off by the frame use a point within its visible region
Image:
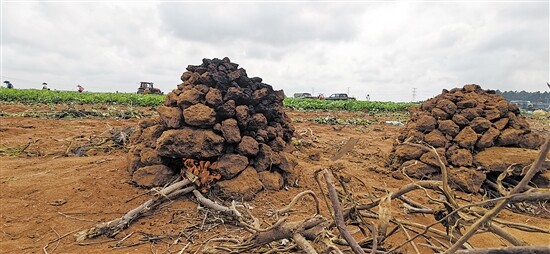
[225, 129]
[468, 127]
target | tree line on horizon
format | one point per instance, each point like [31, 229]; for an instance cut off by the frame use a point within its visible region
[543, 97]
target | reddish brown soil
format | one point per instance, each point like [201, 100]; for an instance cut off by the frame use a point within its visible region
[44, 193]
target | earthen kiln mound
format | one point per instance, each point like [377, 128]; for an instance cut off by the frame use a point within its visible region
[466, 126]
[226, 130]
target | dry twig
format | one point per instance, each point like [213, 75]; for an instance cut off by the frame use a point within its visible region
[338, 216]
[509, 250]
[113, 227]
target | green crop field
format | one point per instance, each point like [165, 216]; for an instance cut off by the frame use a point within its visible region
[374, 106]
[33, 96]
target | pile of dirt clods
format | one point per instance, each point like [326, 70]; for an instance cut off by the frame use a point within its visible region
[474, 131]
[225, 130]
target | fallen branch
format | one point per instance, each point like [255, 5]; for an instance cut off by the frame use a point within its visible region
[522, 227]
[409, 238]
[407, 188]
[287, 208]
[309, 228]
[412, 203]
[411, 209]
[113, 227]
[210, 204]
[509, 250]
[504, 234]
[303, 244]
[338, 216]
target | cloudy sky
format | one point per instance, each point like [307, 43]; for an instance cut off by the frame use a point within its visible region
[385, 49]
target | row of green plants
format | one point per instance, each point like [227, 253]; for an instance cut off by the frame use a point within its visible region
[33, 96]
[351, 105]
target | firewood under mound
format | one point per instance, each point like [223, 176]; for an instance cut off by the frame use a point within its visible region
[220, 129]
[464, 125]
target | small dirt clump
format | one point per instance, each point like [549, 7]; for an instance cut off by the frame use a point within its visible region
[220, 128]
[460, 124]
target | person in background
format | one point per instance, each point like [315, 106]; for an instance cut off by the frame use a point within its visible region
[368, 97]
[80, 88]
[9, 85]
[45, 86]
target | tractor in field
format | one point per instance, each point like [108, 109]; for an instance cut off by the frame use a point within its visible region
[147, 87]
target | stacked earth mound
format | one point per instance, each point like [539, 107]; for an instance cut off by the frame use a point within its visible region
[222, 121]
[466, 126]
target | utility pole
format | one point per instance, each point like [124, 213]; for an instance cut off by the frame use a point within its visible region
[414, 94]
[348, 90]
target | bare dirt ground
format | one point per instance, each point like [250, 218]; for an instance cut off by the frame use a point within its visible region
[47, 193]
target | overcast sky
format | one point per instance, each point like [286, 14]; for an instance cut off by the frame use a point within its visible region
[379, 48]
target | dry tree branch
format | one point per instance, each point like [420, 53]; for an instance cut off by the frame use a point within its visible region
[285, 249]
[316, 176]
[411, 209]
[309, 228]
[522, 227]
[407, 188]
[534, 195]
[303, 243]
[210, 204]
[338, 216]
[113, 227]
[504, 234]
[509, 250]
[502, 204]
[292, 203]
[413, 203]
[443, 246]
[374, 238]
[495, 229]
[331, 248]
[408, 238]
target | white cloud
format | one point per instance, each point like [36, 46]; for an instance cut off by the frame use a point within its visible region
[384, 49]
